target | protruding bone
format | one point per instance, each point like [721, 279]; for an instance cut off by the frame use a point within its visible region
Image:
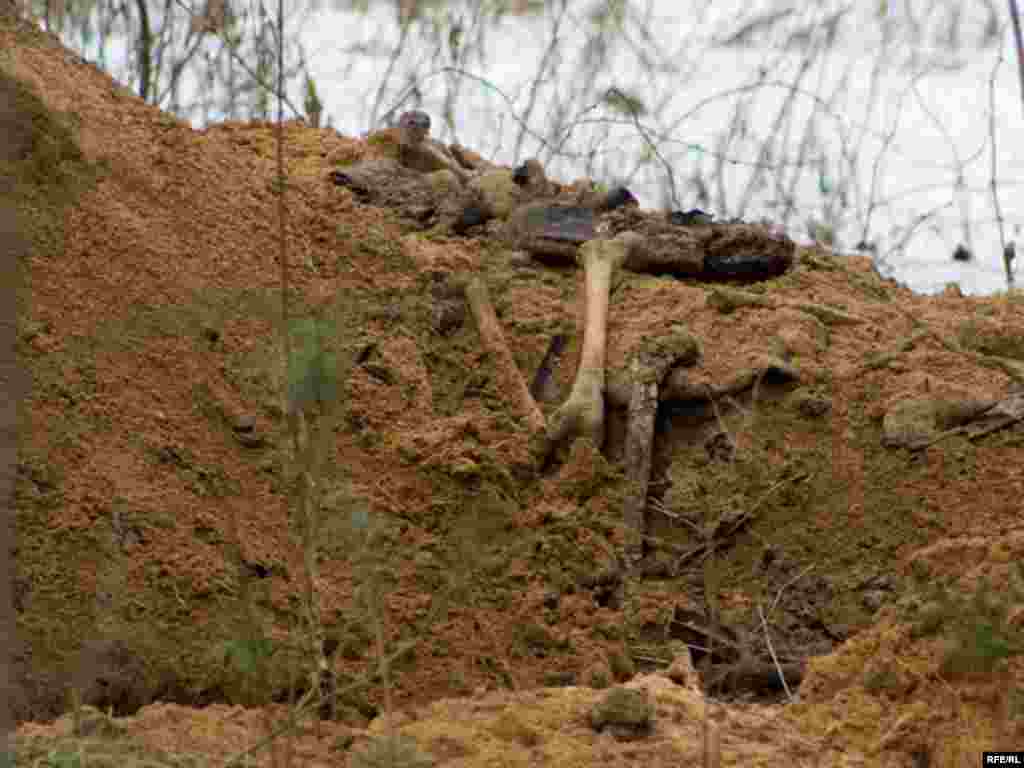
[583, 413]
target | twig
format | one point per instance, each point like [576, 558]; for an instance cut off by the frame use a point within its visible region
[764, 154]
[771, 650]
[992, 179]
[177, 594]
[302, 706]
[379, 485]
[1018, 38]
[734, 525]
[917, 222]
[237, 58]
[670, 177]
[545, 62]
[404, 28]
[789, 583]
[959, 184]
[887, 141]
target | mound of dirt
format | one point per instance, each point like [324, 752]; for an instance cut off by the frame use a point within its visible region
[156, 481]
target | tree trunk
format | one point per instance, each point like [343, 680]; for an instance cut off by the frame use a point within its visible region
[145, 51]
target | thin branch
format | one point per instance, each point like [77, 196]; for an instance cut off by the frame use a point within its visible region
[789, 583]
[996, 206]
[960, 184]
[302, 707]
[545, 63]
[917, 222]
[763, 155]
[396, 53]
[669, 173]
[237, 58]
[771, 650]
[1018, 38]
[177, 67]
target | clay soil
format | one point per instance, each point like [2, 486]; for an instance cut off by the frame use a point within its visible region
[159, 571]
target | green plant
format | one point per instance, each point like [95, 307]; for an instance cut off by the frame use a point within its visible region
[392, 751]
[980, 650]
[60, 758]
[976, 624]
[312, 370]
[247, 659]
[314, 107]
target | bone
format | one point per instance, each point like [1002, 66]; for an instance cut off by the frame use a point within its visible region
[583, 413]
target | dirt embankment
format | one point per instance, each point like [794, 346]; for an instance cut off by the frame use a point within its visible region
[156, 559]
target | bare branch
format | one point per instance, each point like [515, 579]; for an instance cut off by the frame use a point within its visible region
[1018, 39]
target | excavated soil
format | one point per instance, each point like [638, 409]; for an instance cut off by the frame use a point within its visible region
[158, 567]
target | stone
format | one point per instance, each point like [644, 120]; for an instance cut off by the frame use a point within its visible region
[681, 670]
[626, 712]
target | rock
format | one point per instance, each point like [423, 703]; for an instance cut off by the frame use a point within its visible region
[245, 432]
[874, 599]
[627, 712]
[245, 424]
[621, 665]
[598, 675]
[810, 405]
[681, 670]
